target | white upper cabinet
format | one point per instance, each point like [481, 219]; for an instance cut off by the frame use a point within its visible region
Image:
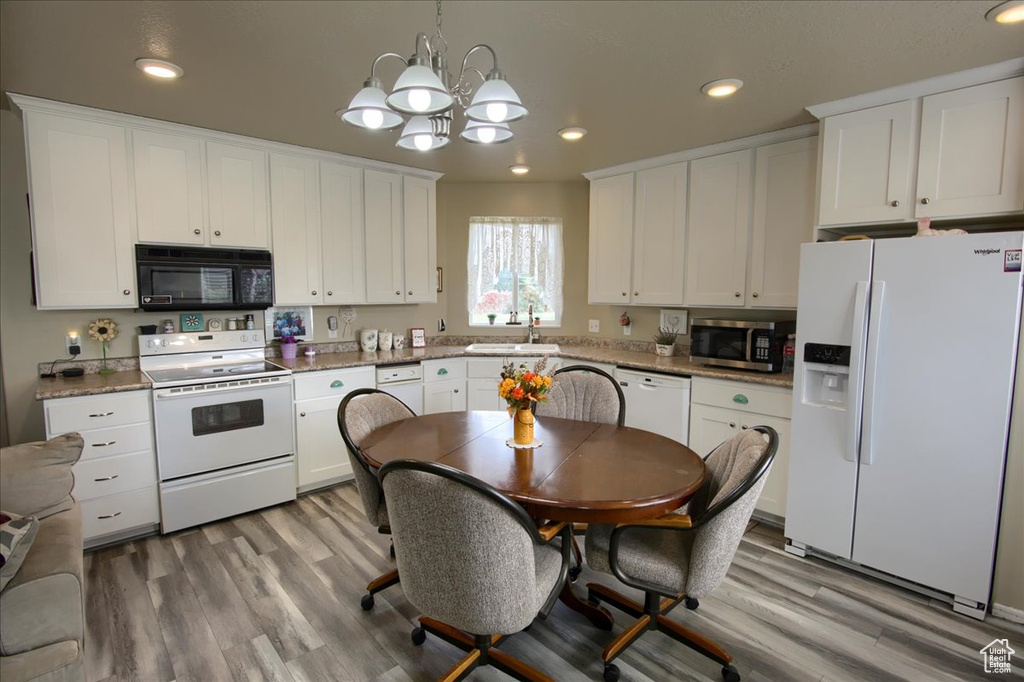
[866, 163]
[783, 219]
[168, 188]
[236, 179]
[972, 151]
[611, 239]
[384, 245]
[420, 240]
[295, 226]
[717, 229]
[659, 235]
[341, 228]
[81, 215]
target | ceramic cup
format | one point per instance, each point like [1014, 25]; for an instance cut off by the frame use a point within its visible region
[399, 341]
[368, 340]
[384, 340]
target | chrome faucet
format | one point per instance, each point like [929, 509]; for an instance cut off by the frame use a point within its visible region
[531, 334]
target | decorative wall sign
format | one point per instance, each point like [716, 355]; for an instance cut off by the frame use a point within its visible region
[419, 338]
[192, 322]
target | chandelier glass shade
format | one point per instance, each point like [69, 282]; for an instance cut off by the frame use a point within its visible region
[427, 93]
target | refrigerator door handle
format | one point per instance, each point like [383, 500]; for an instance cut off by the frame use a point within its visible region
[855, 396]
[867, 455]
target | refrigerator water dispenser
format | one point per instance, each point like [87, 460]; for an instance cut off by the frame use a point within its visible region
[826, 375]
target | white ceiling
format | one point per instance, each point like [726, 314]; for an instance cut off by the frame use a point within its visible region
[630, 72]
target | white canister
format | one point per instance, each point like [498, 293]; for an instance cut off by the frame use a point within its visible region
[399, 342]
[384, 340]
[368, 340]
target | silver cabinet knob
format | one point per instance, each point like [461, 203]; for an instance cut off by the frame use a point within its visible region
[127, 291]
[732, 425]
[398, 293]
[737, 294]
[313, 292]
[624, 293]
[925, 200]
[456, 390]
[894, 203]
[636, 293]
[330, 293]
[216, 233]
[197, 231]
[743, 426]
[410, 293]
[754, 294]
[302, 414]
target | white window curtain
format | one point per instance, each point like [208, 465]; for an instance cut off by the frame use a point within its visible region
[512, 263]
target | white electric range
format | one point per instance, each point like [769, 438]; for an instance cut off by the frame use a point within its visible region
[225, 441]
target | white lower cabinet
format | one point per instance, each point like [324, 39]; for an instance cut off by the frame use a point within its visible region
[721, 409]
[116, 478]
[321, 456]
[444, 385]
[482, 375]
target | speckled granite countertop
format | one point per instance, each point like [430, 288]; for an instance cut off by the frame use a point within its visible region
[92, 384]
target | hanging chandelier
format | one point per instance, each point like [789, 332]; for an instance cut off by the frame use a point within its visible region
[425, 93]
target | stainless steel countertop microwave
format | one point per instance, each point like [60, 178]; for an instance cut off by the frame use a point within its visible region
[740, 344]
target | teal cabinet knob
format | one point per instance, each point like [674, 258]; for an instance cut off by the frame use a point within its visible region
[337, 383]
[740, 398]
[442, 371]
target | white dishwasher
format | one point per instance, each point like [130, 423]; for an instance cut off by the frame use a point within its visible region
[405, 382]
[656, 402]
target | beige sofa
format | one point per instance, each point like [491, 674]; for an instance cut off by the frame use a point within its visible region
[42, 611]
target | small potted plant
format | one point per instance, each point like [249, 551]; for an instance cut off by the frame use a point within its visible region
[491, 317]
[289, 346]
[665, 341]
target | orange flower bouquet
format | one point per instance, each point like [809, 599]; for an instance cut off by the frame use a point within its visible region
[520, 387]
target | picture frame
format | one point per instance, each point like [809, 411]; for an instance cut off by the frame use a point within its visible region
[418, 336]
[296, 320]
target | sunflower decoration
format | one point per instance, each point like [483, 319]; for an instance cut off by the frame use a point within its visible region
[103, 330]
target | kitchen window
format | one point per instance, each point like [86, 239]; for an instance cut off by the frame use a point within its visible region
[513, 263]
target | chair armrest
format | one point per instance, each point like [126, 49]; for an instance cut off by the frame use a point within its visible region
[548, 531]
[679, 521]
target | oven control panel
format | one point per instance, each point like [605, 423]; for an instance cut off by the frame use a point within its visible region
[198, 342]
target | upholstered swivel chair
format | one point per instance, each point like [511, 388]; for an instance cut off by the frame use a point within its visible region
[360, 413]
[585, 394]
[686, 554]
[472, 561]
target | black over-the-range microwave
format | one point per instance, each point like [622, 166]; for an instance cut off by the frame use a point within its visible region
[183, 278]
[740, 344]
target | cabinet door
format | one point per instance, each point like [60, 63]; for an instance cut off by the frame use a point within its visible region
[773, 495]
[483, 395]
[971, 151]
[295, 228]
[866, 164]
[719, 221]
[711, 426]
[236, 179]
[784, 179]
[321, 453]
[444, 396]
[611, 239]
[659, 236]
[341, 233]
[81, 225]
[383, 216]
[419, 198]
[168, 188]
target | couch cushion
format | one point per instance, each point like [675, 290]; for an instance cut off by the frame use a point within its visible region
[36, 478]
[62, 662]
[43, 603]
[16, 536]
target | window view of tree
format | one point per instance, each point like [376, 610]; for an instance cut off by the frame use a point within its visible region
[514, 263]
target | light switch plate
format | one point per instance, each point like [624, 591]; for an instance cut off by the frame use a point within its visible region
[332, 333]
[674, 319]
[595, 326]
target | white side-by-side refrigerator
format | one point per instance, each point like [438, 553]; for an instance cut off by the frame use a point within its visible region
[901, 406]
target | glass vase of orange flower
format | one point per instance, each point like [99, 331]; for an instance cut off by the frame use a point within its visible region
[521, 387]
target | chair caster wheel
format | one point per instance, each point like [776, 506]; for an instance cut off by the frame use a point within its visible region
[574, 573]
[419, 636]
[692, 603]
[611, 672]
[366, 602]
[730, 674]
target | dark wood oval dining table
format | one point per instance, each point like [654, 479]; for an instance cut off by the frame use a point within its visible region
[583, 471]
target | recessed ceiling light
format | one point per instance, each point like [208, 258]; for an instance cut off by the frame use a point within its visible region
[722, 87]
[519, 169]
[1010, 12]
[158, 68]
[572, 134]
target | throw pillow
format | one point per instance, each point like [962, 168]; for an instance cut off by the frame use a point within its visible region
[36, 478]
[16, 536]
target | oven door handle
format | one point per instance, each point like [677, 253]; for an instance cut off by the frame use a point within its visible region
[157, 395]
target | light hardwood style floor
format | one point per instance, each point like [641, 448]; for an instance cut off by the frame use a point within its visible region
[274, 595]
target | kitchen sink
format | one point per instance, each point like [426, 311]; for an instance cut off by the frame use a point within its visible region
[514, 348]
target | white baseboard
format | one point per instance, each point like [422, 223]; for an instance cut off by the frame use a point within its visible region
[1008, 613]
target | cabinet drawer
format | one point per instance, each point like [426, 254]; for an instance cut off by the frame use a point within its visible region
[113, 475]
[333, 383]
[444, 370]
[115, 513]
[117, 440]
[734, 395]
[80, 414]
[484, 368]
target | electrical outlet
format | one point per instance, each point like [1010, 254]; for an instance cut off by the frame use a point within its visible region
[332, 333]
[627, 330]
[595, 326]
[73, 343]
